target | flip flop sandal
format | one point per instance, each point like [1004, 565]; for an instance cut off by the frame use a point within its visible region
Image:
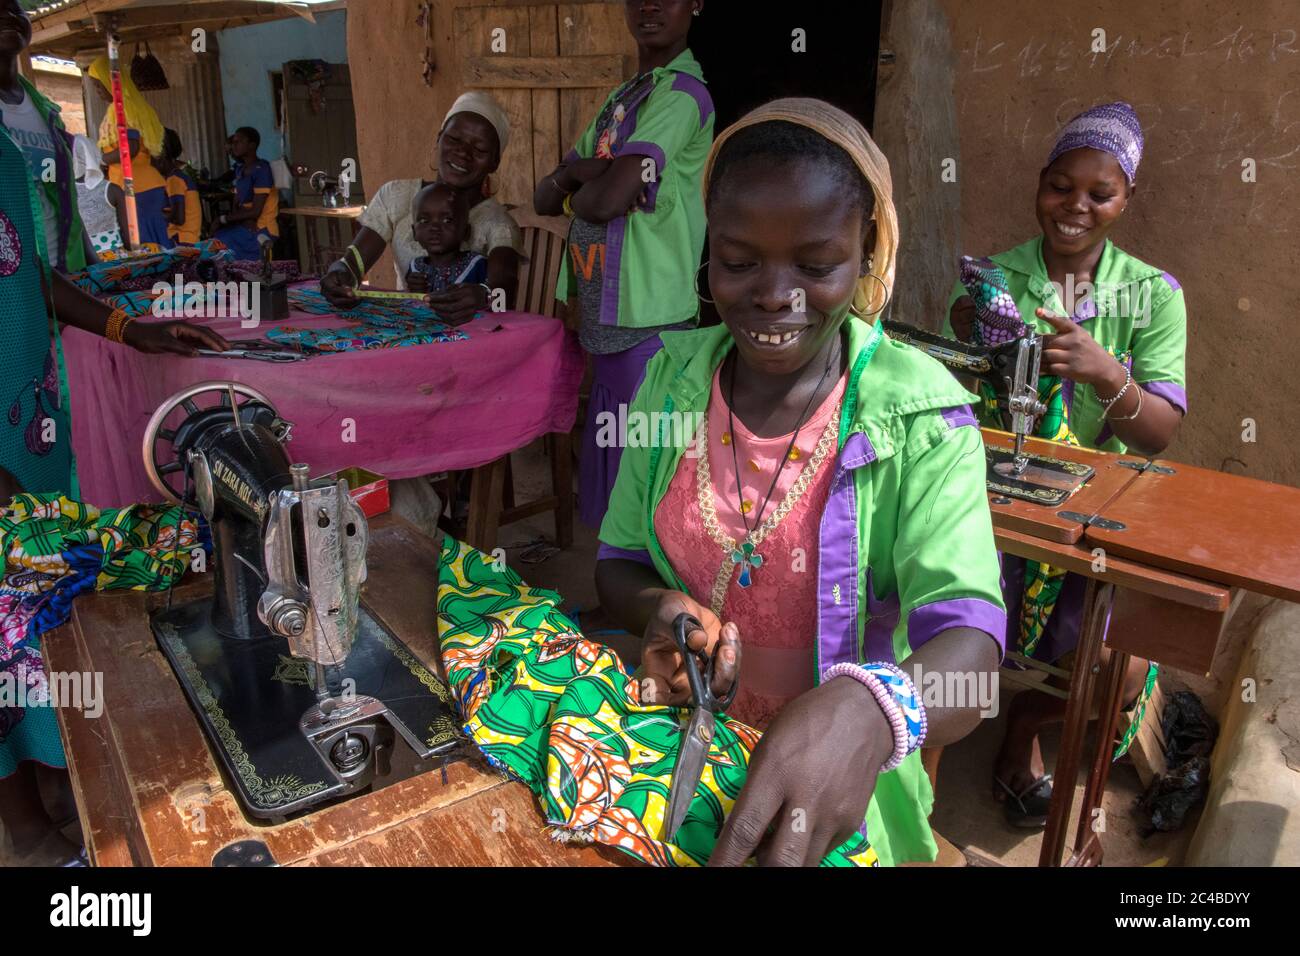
[538, 553]
[81, 859]
[1028, 808]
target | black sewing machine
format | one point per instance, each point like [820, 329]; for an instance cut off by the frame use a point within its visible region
[302, 693]
[1012, 369]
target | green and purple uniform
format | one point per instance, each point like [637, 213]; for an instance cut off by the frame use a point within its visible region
[634, 272]
[1135, 312]
[905, 539]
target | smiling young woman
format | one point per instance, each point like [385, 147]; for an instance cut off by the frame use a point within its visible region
[1113, 360]
[831, 521]
[473, 137]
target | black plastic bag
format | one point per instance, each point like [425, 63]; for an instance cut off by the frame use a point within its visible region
[1171, 795]
[1188, 729]
[1189, 733]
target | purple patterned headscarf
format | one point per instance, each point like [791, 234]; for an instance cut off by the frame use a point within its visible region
[1112, 128]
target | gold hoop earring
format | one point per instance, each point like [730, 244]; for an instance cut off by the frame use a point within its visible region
[883, 306]
[703, 265]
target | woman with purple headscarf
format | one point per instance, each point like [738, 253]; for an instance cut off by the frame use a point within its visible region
[1115, 334]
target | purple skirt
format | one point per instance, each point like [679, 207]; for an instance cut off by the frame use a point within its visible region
[615, 380]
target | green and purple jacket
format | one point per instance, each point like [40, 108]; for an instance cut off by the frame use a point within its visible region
[650, 254]
[1135, 311]
[905, 545]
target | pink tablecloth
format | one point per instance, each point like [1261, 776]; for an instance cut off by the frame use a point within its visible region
[420, 409]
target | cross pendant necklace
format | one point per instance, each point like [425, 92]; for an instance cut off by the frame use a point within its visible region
[747, 558]
[744, 555]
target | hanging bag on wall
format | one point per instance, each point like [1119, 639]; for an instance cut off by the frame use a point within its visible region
[146, 71]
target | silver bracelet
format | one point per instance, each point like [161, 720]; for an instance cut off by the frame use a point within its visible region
[1128, 380]
[1128, 418]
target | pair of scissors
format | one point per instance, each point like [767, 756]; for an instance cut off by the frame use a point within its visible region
[697, 738]
[254, 349]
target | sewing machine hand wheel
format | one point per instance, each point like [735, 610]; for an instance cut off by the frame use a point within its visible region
[166, 472]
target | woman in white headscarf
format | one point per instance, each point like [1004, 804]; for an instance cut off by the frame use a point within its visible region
[98, 215]
[473, 137]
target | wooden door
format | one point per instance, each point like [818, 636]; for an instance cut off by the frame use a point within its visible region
[551, 66]
[321, 138]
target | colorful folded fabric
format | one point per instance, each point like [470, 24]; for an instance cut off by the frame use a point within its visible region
[997, 318]
[361, 338]
[138, 273]
[560, 713]
[56, 548]
[370, 311]
[379, 325]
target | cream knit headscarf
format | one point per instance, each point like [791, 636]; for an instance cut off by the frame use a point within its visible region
[844, 131]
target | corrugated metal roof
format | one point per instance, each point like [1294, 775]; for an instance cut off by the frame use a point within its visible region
[41, 8]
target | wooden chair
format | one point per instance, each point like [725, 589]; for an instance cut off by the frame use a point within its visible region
[492, 495]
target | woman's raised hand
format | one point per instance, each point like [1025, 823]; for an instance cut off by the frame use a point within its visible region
[810, 778]
[1074, 354]
[663, 672]
[338, 286]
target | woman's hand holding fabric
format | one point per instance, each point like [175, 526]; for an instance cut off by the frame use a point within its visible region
[337, 285]
[458, 304]
[663, 672]
[810, 778]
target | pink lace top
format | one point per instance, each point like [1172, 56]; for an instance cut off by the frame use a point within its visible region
[777, 613]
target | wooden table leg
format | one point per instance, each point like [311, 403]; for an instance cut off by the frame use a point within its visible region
[336, 240]
[562, 486]
[485, 487]
[1087, 839]
[1098, 599]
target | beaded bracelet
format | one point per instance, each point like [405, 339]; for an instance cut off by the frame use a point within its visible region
[1127, 418]
[1107, 403]
[909, 702]
[115, 326]
[897, 698]
[356, 264]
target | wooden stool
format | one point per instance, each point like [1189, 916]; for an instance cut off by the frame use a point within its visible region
[492, 504]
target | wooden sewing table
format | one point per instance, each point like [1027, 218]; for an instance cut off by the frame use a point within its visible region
[1163, 545]
[150, 794]
[315, 256]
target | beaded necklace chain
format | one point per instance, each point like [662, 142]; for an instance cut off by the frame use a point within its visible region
[743, 554]
[735, 460]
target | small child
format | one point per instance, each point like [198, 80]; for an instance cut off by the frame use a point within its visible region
[440, 223]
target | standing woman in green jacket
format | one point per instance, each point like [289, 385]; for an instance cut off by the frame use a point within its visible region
[631, 187]
[830, 522]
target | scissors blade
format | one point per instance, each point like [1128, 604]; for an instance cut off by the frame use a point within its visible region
[691, 755]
